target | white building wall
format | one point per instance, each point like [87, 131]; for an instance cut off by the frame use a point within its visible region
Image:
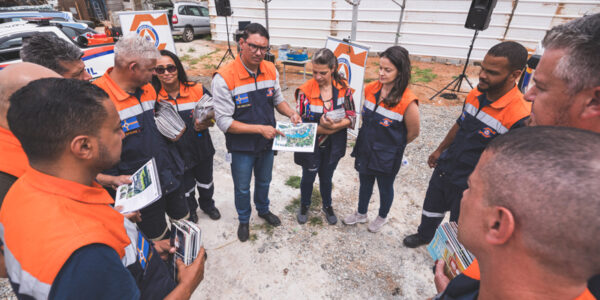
[429, 27]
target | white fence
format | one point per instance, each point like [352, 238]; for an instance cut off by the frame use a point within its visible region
[429, 27]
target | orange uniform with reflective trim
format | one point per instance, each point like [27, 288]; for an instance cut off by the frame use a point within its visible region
[44, 219]
[254, 103]
[142, 139]
[473, 272]
[383, 135]
[13, 160]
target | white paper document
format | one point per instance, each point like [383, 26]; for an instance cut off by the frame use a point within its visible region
[298, 138]
[142, 191]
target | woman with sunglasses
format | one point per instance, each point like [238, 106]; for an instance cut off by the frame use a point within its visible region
[318, 100]
[195, 146]
[390, 120]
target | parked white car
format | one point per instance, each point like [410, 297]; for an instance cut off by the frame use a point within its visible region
[97, 58]
[189, 19]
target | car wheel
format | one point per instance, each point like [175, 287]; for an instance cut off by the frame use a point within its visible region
[188, 34]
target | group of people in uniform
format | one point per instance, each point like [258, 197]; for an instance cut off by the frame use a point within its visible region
[64, 140]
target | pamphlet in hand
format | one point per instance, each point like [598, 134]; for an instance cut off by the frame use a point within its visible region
[204, 108]
[336, 115]
[143, 190]
[446, 246]
[298, 138]
[186, 237]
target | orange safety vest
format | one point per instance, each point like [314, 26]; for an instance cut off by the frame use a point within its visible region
[253, 100]
[13, 160]
[193, 146]
[382, 137]
[477, 127]
[142, 139]
[312, 112]
[44, 219]
[473, 272]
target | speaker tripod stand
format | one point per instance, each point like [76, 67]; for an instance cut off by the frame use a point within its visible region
[459, 79]
[228, 52]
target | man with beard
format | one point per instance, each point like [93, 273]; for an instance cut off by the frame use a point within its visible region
[493, 108]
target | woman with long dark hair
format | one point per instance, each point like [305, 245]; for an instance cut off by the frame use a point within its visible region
[318, 100]
[390, 120]
[196, 148]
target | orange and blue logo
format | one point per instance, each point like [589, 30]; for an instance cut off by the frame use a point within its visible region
[148, 31]
[270, 92]
[130, 124]
[241, 99]
[385, 122]
[487, 132]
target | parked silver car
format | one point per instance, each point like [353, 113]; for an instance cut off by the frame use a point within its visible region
[189, 19]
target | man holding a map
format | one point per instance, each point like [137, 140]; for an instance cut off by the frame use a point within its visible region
[245, 93]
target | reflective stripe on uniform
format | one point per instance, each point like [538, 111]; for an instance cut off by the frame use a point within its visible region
[136, 110]
[205, 186]
[28, 284]
[251, 87]
[340, 100]
[384, 111]
[130, 256]
[433, 214]
[486, 119]
[186, 106]
[316, 109]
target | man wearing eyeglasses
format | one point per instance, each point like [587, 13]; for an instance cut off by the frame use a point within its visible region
[245, 93]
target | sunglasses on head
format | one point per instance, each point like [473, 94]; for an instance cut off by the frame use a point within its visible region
[169, 68]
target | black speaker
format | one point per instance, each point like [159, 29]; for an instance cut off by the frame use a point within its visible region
[223, 8]
[480, 14]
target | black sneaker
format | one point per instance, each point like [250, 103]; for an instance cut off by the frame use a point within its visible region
[414, 241]
[329, 215]
[243, 232]
[213, 213]
[303, 214]
[271, 219]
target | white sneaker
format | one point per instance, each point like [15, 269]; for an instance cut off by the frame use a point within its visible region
[376, 225]
[355, 218]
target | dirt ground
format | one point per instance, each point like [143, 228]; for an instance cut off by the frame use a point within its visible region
[316, 260]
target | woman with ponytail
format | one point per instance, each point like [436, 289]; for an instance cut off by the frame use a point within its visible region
[390, 120]
[326, 99]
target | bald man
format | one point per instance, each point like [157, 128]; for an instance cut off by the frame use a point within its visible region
[13, 161]
[538, 239]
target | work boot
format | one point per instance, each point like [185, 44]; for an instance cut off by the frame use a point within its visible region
[213, 213]
[302, 215]
[271, 219]
[376, 224]
[243, 232]
[355, 218]
[329, 215]
[414, 241]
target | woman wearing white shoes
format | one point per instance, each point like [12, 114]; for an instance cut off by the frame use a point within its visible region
[390, 121]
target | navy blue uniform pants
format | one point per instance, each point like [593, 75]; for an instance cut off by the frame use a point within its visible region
[200, 176]
[441, 196]
[325, 170]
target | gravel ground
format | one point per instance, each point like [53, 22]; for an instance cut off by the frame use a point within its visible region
[316, 260]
